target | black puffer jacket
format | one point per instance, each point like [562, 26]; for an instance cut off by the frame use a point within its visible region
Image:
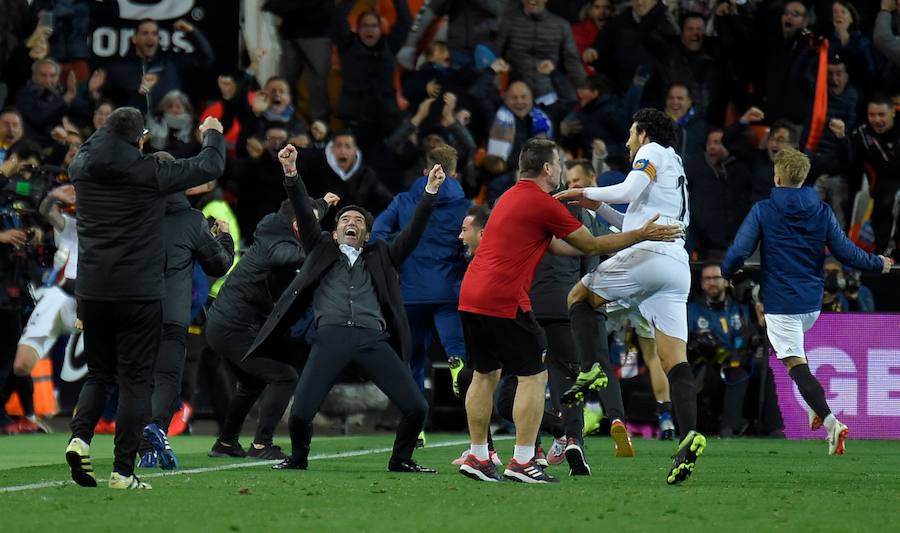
[265, 270]
[188, 239]
[121, 208]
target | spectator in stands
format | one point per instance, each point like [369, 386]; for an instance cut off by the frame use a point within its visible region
[718, 347]
[876, 151]
[100, 114]
[851, 44]
[693, 61]
[430, 277]
[305, 32]
[172, 127]
[843, 100]
[274, 106]
[592, 19]
[368, 101]
[470, 24]
[719, 189]
[147, 73]
[43, 103]
[692, 127]
[787, 52]
[887, 41]
[633, 39]
[340, 169]
[535, 43]
[412, 141]
[11, 131]
[602, 115]
[515, 122]
[258, 178]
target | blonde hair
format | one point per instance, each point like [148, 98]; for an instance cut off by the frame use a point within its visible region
[791, 166]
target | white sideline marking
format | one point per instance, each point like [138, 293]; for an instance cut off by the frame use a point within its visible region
[231, 466]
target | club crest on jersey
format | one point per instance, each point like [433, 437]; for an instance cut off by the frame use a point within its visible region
[645, 166]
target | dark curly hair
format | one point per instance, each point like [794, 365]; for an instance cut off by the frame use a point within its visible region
[657, 125]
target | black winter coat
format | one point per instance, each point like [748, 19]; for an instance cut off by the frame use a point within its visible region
[121, 207]
[187, 237]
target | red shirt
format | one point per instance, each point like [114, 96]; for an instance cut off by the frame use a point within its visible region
[518, 233]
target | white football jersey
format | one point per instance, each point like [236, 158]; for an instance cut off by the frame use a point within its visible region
[68, 238]
[666, 195]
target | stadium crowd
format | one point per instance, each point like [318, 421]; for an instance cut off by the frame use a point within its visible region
[741, 78]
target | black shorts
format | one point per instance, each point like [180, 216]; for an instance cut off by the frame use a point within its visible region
[517, 345]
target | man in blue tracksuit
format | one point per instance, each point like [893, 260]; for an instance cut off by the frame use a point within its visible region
[794, 227]
[431, 276]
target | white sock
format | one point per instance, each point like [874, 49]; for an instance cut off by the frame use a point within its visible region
[480, 451]
[829, 422]
[523, 454]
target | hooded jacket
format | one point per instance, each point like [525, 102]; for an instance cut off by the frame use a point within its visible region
[434, 270]
[187, 237]
[121, 206]
[793, 227]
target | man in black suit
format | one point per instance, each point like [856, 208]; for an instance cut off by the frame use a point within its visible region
[355, 293]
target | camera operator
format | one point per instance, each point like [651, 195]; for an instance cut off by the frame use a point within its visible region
[835, 283]
[717, 341]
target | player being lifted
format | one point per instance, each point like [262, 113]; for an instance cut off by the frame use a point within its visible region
[653, 277]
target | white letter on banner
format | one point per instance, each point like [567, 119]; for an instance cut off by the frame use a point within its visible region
[844, 389]
[882, 382]
[104, 42]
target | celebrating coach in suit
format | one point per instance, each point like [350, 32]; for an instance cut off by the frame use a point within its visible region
[121, 259]
[355, 293]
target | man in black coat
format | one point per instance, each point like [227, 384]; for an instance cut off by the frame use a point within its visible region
[354, 290]
[121, 262]
[189, 237]
[244, 303]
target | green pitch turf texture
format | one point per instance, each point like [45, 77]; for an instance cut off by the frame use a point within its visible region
[739, 485]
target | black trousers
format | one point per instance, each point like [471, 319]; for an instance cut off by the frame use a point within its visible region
[11, 325]
[267, 380]
[204, 363]
[167, 374]
[562, 371]
[335, 348]
[121, 340]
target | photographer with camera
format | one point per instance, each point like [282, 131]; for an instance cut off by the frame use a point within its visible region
[844, 291]
[717, 343]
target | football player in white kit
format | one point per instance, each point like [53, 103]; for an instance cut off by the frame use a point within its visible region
[55, 313]
[652, 278]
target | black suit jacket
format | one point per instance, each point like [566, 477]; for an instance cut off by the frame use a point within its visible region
[382, 260]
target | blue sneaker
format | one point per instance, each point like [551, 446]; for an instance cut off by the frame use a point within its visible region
[149, 460]
[157, 438]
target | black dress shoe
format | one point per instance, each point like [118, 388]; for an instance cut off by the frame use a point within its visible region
[291, 464]
[409, 466]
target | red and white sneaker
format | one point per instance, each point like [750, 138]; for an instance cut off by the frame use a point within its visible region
[837, 437]
[105, 427]
[575, 456]
[815, 421]
[495, 458]
[180, 420]
[619, 434]
[479, 470]
[530, 472]
[558, 451]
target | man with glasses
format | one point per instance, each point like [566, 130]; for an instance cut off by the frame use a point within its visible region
[121, 204]
[786, 57]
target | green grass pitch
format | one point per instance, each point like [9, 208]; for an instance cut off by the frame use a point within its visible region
[739, 485]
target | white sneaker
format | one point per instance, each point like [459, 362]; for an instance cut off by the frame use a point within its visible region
[814, 421]
[78, 455]
[558, 451]
[118, 481]
[836, 438]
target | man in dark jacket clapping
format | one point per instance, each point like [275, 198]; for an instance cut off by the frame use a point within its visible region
[121, 262]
